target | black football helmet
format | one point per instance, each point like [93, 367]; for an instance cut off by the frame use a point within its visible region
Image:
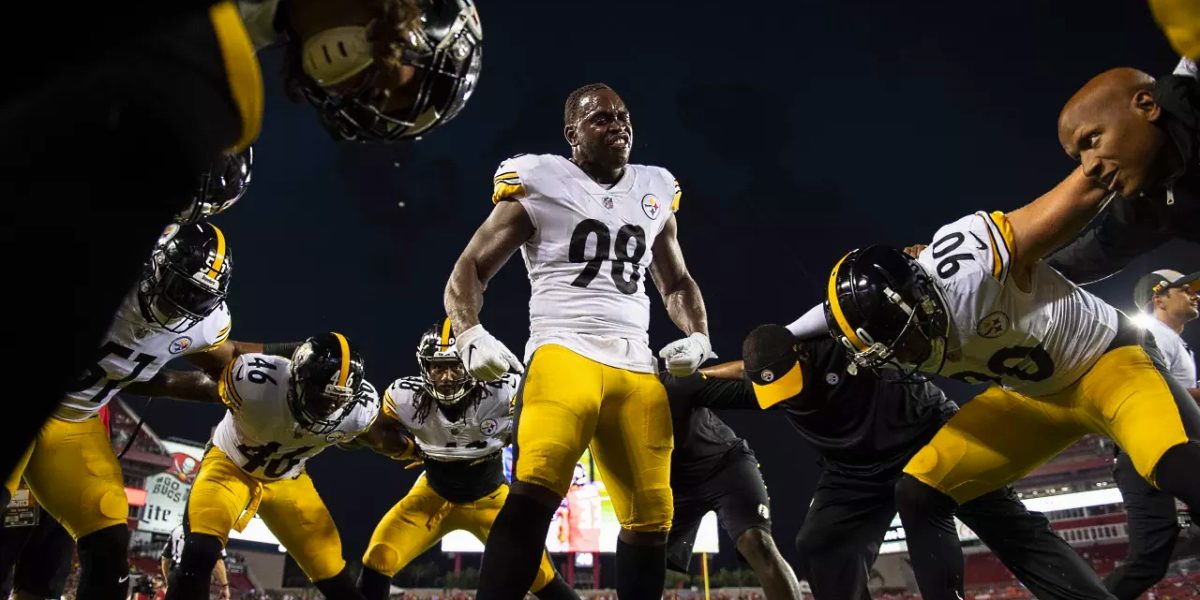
[219, 187]
[327, 378]
[887, 311]
[445, 47]
[187, 276]
[438, 350]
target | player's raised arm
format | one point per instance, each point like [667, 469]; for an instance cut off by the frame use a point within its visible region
[214, 359]
[493, 243]
[684, 302]
[1051, 220]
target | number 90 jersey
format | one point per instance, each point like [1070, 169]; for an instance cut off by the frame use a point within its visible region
[259, 433]
[134, 349]
[1035, 343]
[589, 254]
[482, 428]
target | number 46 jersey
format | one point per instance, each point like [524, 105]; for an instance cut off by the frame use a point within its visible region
[589, 254]
[259, 433]
[1035, 342]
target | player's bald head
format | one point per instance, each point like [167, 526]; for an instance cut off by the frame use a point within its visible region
[1112, 126]
[1112, 90]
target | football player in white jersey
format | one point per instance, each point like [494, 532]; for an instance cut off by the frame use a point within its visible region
[979, 304]
[460, 426]
[177, 310]
[281, 413]
[591, 228]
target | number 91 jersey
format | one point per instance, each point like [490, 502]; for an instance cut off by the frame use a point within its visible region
[590, 251]
[1035, 342]
[259, 433]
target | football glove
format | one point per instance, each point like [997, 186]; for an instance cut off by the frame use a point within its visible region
[486, 358]
[684, 356]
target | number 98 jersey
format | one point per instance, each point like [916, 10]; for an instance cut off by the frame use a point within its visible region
[590, 253]
[259, 433]
[1035, 342]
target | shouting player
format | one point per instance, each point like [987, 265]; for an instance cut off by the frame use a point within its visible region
[460, 426]
[591, 227]
[980, 305]
[281, 413]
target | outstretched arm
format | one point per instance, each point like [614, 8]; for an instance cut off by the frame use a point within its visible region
[1041, 226]
[387, 437]
[197, 386]
[213, 360]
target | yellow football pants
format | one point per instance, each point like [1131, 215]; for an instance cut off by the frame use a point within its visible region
[568, 402]
[423, 517]
[224, 498]
[1000, 436]
[74, 474]
[1180, 21]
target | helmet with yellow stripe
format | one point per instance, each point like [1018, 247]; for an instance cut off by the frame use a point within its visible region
[887, 311]
[187, 276]
[326, 378]
[443, 374]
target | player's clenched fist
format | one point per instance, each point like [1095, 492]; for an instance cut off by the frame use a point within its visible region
[684, 356]
[486, 357]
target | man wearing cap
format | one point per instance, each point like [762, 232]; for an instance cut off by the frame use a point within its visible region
[865, 430]
[712, 469]
[1169, 297]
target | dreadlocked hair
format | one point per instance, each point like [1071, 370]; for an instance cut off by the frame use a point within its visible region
[426, 402]
[571, 110]
[397, 26]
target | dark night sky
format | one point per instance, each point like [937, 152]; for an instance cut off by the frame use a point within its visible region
[798, 130]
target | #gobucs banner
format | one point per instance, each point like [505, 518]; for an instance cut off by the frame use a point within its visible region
[166, 492]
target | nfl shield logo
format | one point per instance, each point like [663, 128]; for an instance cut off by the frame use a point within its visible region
[608, 202]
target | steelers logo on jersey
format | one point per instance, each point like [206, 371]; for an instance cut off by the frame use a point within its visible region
[650, 206]
[994, 325]
[489, 426]
[180, 344]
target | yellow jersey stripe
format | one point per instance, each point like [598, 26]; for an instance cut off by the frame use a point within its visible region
[219, 261]
[675, 198]
[445, 341]
[504, 191]
[509, 177]
[344, 372]
[226, 389]
[389, 405]
[1002, 243]
[242, 71]
[836, 308]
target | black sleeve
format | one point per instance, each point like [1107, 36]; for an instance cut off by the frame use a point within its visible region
[725, 394]
[1119, 234]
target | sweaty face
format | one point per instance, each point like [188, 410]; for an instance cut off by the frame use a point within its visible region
[1117, 145]
[603, 129]
[447, 377]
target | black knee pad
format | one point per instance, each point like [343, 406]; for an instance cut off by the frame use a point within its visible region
[374, 585]
[1175, 473]
[104, 564]
[339, 587]
[200, 554]
[106, 549]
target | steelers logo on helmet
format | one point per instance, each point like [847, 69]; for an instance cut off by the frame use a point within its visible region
[220, 187]
[443, 374]
[886, 310]
[396, 77]
[187, 276]
[326, 378]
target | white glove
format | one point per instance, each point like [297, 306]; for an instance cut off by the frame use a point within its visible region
[684, 356]
[486, 358]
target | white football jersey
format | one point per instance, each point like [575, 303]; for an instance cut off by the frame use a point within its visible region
[590, 254]
[259, 432]
[1181, 363]
[134, 349]
[483, 429]
[1035, 343]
